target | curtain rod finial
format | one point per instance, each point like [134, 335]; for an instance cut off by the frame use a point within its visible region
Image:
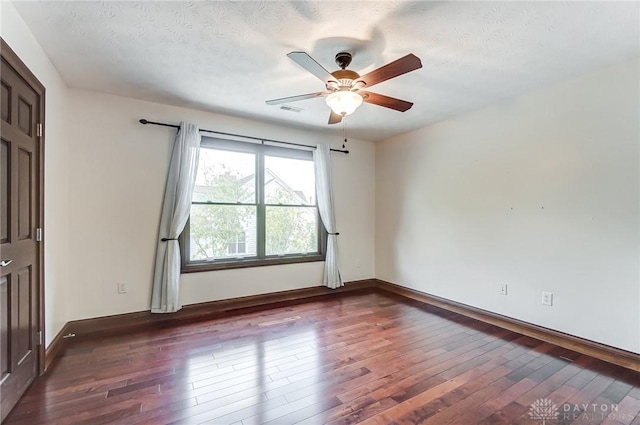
[143, 121]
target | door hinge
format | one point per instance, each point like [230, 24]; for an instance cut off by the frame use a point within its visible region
[39, 234]
[39, 129]
[39, 338]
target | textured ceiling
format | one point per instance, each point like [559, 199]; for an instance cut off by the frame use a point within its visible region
[230, 57]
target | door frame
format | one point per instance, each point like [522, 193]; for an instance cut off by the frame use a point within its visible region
[25, 73]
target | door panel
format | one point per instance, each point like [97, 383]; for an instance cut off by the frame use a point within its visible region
[25, 203]
[25, 116]
[4, 191]
[6, 104]
[24, 294]
[5, 347]
[20, 270]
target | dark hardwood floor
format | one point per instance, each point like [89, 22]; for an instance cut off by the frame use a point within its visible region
[367, 357]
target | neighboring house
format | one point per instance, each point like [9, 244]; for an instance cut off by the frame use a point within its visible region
[244, 242]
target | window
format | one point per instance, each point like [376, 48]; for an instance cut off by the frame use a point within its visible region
[252, 205]
[238, 246]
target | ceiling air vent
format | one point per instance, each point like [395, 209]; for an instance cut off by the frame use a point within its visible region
[290, 108]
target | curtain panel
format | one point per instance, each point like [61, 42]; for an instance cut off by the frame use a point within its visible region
[165, 295]
[324, 193]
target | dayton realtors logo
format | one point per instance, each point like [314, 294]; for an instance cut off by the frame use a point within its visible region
[545, 410]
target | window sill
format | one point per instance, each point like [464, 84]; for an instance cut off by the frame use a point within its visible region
[206, 266]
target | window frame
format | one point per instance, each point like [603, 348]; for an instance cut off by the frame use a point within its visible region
[260, 259]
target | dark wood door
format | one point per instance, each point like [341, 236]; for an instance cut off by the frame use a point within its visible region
[19, 251]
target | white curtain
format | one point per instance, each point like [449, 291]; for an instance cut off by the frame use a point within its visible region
[165, 296]
[324, 193]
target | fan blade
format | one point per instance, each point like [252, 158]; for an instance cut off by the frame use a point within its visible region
[386, 101]
[334, 118]
[391, 70]
[308, 63]
[295, 98]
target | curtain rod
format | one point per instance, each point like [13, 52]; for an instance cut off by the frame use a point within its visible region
[145, 122]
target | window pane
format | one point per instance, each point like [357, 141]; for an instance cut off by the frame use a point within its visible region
[291, 230]
[288, 181]
[225, 176]
[216, 231]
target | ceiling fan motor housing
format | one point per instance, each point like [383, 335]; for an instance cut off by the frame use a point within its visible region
[345, 79]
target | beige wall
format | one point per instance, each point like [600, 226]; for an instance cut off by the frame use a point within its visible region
[56, 221]
[541, 193]
[117, 174]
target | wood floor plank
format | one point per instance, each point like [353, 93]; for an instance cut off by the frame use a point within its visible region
[627, 410]
[366, 357]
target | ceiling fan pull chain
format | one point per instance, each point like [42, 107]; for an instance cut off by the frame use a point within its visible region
[344, 131]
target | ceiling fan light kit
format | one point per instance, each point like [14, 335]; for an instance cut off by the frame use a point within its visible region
[344, 102]
[344, 86]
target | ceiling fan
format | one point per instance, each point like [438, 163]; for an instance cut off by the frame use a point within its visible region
[345, 87]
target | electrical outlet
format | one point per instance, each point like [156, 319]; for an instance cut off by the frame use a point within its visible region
[503, 289]
[547, 298]
[123, 288]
